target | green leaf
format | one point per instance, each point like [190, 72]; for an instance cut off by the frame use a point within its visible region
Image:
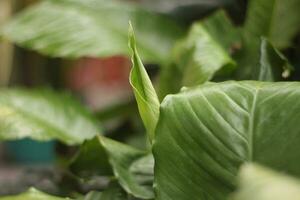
[32, 194]
[143, 89]
[44, 115]
[274, 66]
[113, 192]
[191, 10]
[76, 28]
[262, 61]
[276, 20]
[131, 167]
[201, 55]
[205, 133]
[267, 184]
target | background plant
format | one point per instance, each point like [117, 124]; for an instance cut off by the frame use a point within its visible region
[199, 136]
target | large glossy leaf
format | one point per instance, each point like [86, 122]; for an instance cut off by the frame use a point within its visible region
[277, 20]
[76, 28]
[131, 167]
[259, 183]
[273, 65]
[44, 115]
[33, 194]
[143, 89]
[205, 133]
[201, 55]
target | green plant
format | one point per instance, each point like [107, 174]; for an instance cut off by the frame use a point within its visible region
[207, 140]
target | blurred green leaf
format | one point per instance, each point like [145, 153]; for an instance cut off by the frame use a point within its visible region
[205, 133]
[276, 20]
[131, 167]
[143, 89]
[44, 115]
[32, 194]
[76, 28]
[188, 11]
[204, 53]
[259, 183]
[113, 192]
[273, 65]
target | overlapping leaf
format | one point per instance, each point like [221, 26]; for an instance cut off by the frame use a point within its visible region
[131, 167]
[205, 133]
[76, 28]
[44, 115]
[201, 55]
[259, 183]
[273, 65]
[113, 192]
[33, 194]
[276, 20]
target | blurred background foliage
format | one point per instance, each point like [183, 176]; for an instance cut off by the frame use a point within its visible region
[80, 47]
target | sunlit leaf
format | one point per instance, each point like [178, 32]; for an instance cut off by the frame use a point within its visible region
[76, 28]
[44, 115]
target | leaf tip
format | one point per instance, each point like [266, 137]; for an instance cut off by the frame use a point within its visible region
[131, 37]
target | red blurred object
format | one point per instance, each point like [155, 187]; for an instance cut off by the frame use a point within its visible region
[101, 81]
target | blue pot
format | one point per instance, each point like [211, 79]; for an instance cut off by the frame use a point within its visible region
[27, 151]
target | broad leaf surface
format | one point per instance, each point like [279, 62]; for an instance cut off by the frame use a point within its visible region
[32, 194]
[44, 115]
[205, 133]
[131, 167]
[201, 55]
[267, 184]
[143, 89]
[76, 28]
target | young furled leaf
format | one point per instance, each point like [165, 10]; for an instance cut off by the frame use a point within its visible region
[143, 89]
